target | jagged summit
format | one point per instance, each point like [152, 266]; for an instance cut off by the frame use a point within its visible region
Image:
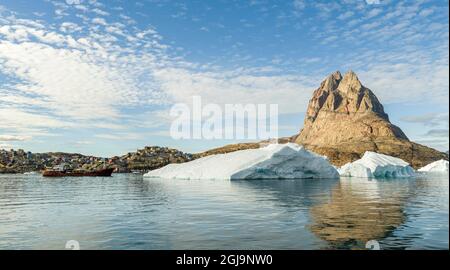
[342, 109]
[344, 95]
[344, 119]
[332, 81]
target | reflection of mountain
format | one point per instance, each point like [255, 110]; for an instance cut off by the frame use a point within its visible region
[358, 211]
[346, 213]
[299, 193]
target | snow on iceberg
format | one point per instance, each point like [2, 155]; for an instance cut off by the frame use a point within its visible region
[274, 161]
[440, 166]
[374, 165]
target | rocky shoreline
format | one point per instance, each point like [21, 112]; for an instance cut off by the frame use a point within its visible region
[149, 158]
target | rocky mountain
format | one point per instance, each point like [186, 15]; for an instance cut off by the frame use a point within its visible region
[345, 119]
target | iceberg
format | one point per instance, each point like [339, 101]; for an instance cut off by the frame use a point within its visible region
[440, 166]
[355, 170]
[274, 161]
[374, 165]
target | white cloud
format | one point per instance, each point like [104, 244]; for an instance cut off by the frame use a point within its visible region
[20, 119]
[119, 136]
[396, 83]
[72, 85]
[374, 12]
[70, 27]
[373, 2]
[426, 12]
[11, 138]
[100, 12]
[299, 4]
[6, 146]
[437, 133]
[100, 21]
[74, 2]
[290, 92]
[346, 15]
[428, 119]
[82, 8]
[59, 81]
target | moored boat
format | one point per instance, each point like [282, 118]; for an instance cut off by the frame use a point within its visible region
[76, 173]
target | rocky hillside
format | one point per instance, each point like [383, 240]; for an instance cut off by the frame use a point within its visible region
[241, 146]
[149, 158]
[227, 149]
[344, 119]
[20, 161]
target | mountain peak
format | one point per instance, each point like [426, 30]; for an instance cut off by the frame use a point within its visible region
[350, 73]
[342, 109]
[344, 94]
[336, 75]
[332, 81]
[350, 83]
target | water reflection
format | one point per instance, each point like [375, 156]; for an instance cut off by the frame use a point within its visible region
[347, 213]
[127, 212]
[298, 193]
[358, 210]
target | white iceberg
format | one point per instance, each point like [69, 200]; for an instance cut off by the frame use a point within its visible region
[275, 161]
[440, 166]
[355, 170]
[374, 165]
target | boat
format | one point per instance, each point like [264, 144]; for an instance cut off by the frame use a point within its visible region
[54, 173]
[62, 171]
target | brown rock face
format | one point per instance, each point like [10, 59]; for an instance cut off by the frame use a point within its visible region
[344, 119]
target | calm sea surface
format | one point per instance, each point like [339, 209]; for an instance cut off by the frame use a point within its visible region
[128, 212]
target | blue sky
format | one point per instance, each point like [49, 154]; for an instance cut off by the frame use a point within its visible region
[98, 77]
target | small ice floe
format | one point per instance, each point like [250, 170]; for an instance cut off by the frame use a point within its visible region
[274, 161]
[440, 166]
[374, 165]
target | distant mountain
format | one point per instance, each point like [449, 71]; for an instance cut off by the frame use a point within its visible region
[344, 119]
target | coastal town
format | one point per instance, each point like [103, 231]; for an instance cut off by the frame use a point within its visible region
[148, 158]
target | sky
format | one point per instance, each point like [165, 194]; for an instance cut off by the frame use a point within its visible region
[99, 77]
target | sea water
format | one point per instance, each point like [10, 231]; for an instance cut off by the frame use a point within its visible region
[126, 211]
